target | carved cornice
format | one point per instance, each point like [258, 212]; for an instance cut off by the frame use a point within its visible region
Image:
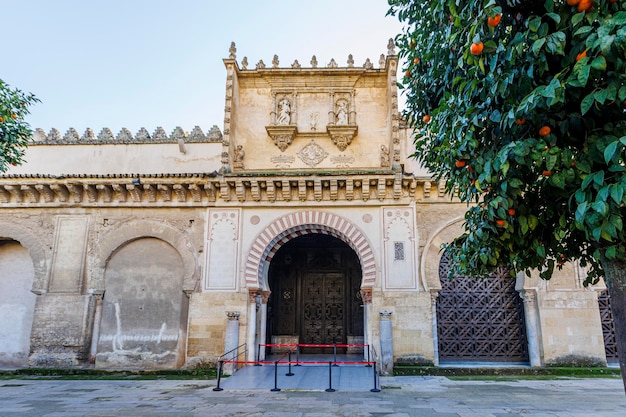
[206, 190]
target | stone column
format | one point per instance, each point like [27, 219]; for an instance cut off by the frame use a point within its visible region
[386, 342]
[273, 112]
[265, 295]
[252, 300]
[532, 325]
[95, 335]
[433, 303]
[231, 341]
[331, 111]
[366, 297]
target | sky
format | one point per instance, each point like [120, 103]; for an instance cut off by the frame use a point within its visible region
[150, 63]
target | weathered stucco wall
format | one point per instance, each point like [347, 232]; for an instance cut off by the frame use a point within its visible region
[17, 303]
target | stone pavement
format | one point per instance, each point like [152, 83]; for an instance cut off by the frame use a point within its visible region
[400, 397]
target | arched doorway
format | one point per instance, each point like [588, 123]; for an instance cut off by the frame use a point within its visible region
[144, 307]
[17, 303]
[315, 283]
[480, 320]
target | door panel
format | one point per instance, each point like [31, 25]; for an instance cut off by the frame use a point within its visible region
[323, 306]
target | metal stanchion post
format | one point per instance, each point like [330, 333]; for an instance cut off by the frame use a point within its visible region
[297, 355]
[289, 373]
[375, 389]
[275, 377]
[335, 354]
[219, 377]
[258, 356]
[368, 356]
[330, 378]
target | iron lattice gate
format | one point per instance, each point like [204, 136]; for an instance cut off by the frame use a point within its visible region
[480, 320]
[608, 327]
[322, 308]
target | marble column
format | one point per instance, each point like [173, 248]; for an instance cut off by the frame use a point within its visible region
[366, 297]
[95, 334]
[252, 342]
[433, 303]
[231, 341]
[265, 295]
[386, 342]
[532, 325]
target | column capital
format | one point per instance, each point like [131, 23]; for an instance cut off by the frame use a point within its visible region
[265, 296]
[366, 295]
[233, 315]
[385, 314]
[253, 293]
[528, 296]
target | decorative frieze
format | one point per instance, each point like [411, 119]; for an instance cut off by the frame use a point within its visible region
[106, 136]
[206, 190]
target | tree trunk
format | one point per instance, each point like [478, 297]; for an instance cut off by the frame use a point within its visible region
[615, 279]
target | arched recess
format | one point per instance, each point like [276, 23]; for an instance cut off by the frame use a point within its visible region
[36, 251]
[127, 232]
[300, 223]
[432, 254]
[17, 303]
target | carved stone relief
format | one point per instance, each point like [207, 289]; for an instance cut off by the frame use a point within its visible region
[312, 154]
[239, 155]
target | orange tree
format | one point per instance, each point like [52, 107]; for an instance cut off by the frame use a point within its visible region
[526, 103]
[14, 131]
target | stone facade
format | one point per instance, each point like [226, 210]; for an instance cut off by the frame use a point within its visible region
[152, 251]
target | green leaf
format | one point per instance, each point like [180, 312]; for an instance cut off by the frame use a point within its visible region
[586, 103]
[617, 193]
[537, 45]
[609, 151]
[599, 63]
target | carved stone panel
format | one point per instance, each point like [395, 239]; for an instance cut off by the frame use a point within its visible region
[222, 249]
[401, 263]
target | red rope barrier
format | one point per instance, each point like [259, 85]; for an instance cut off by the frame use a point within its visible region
[299, 362]
[342, 345]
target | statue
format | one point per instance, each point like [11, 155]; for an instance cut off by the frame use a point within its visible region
[239, 155]
[342, 113]
[384, 157]
[284, 116]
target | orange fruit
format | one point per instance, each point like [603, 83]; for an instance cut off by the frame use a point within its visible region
[14, 116]
[546, 173]
[407, 73]
[520, 121]
[476, 48]
[500, 222]
[572, 2]
[460, 163]
[416, 61]
[511, 212]
[545, 131]
[581, 55]
[1, 120]
[494, 21]
[426, 118]
[585, 5]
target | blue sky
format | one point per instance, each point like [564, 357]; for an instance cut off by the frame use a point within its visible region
[149, 63]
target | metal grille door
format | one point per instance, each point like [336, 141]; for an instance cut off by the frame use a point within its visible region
[323, 308]
[608, 327]
[480, 320]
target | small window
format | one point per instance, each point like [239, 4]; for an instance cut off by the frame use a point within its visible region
[398, 250]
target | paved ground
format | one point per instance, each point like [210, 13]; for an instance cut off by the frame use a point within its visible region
[400, 397]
